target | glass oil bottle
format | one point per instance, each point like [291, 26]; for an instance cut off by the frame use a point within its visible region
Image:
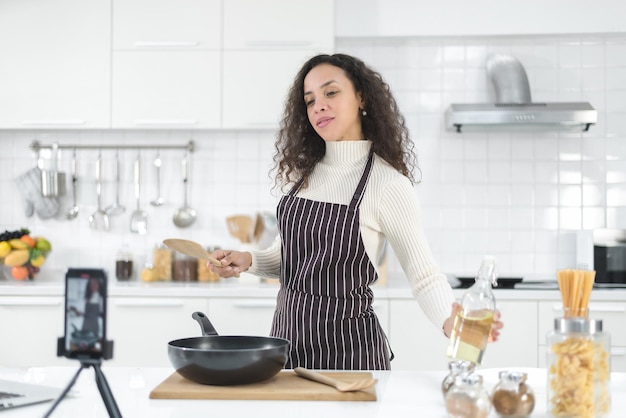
[472, 324]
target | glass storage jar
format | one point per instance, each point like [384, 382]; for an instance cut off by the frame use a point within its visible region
[162, 263]
[185, 268]
[456, 368]
[124, 264]
[467, 398]
[512, 397]
[579, 369]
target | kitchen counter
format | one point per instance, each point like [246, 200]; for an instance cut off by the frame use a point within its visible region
[399, 394]
[251, 286]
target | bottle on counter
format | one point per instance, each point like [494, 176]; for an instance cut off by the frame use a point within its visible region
[512, 397]
[579, 369]
[467, 398]
[456, 367]
[472, 324]
[124, 264]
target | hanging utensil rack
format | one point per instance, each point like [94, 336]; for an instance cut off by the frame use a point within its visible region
[36, 146]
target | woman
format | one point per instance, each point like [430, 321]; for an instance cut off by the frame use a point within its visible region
[344, 157]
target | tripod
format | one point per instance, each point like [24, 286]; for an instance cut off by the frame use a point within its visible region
[101, 382]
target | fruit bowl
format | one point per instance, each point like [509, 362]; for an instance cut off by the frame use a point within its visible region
[22, 255]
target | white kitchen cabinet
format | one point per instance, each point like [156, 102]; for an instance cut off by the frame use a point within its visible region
[166, 89]
[419, 345]
[415, 341]
[30, 327]
[265, 44]
[271, 24]
[166, 24]
[256, 85]
[613, 315]
[517, 344]
[141, 327]
[55, 70]
[391, 18]
[242, 316]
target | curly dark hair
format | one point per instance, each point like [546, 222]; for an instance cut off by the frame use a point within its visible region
[299, 147]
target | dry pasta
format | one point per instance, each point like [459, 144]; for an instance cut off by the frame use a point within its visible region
[579, 379]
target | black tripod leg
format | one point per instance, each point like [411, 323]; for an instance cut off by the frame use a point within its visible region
[64, 393]
[106, 394]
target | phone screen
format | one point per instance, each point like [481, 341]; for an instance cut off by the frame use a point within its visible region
[85, 312]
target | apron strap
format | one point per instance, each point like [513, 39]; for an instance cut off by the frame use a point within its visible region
[358, 193]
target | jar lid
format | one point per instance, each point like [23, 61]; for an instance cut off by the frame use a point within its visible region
[470, 379]
[581, 325]
[512, 376]
[461, 366]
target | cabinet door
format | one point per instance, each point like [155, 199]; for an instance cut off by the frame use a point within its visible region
[30, 327]
[256, 85]
[242, 316]
[517, 345]
[415, 341]
[173, 89]
[166, 24]
[278, 23]
[55, 68]
[141, 327]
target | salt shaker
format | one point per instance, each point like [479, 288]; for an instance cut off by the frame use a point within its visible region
[456, 368]
[512, 397]
[467, 398]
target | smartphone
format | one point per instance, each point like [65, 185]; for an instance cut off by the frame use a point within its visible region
[85, 313]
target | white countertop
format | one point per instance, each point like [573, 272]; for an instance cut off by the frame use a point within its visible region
[250, 287]
[400, 394]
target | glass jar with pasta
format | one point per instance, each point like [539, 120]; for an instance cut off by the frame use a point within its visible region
[579, 369]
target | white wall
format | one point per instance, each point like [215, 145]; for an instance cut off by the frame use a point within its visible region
[520, 196]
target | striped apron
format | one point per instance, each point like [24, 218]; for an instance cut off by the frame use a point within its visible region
[324, 305]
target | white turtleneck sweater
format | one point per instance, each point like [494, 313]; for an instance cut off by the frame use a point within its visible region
[389, 210]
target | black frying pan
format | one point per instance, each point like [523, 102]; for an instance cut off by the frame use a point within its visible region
[226, 360]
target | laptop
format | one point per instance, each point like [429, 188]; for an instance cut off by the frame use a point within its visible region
[14, 394]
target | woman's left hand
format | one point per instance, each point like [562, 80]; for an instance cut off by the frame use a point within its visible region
[496, 326]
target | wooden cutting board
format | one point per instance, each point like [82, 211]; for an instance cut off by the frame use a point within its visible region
[286, 385]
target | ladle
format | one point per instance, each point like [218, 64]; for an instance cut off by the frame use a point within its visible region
[159, 200]
[99, 219]
[73, 212]
[185, 216]
[139, 218]
[116, 208]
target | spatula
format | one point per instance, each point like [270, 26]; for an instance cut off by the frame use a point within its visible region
[192, 249]
[337, 384]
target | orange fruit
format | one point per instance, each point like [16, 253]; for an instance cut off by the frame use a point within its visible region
[19, 273]
[30, 241]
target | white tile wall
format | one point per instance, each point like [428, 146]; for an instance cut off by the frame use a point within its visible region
[518, 195]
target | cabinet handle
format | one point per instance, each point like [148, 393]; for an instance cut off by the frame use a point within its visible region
[165, 122]
[255, 304]
[618, 352]
[171, 44]
[29, 302]
[138, 303]
[270, 43]
[54, 122]
[596, 308]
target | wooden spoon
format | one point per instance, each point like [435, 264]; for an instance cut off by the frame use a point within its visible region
[340, 386]
[192, 249]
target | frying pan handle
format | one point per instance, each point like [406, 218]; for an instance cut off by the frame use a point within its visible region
[205, 324]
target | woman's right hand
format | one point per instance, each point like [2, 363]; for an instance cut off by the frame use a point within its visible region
[233, 262]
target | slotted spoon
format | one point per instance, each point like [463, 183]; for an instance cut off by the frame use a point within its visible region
[337, 384]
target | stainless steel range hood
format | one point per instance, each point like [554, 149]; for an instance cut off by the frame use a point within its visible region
[513, 106]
